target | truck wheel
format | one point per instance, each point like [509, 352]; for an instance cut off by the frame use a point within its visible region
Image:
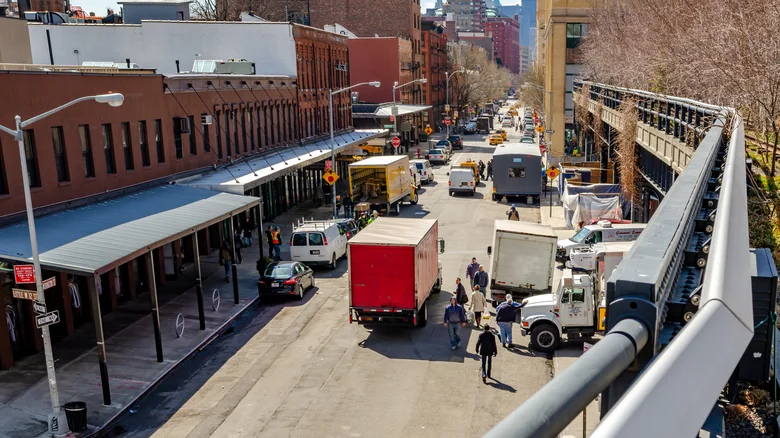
[333, 262]
[436, 287]
[545, 338]
[398, 208]
[414, 199]
[422, 316]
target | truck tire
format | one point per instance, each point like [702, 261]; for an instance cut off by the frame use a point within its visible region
[414, 199]
[398, 208]
[436, 287]
[545, 338]
[422, 316]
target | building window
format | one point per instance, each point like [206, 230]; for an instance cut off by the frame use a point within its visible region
[234, 114]
[143, 141]
[259, 129]
[60, 158]
[108, 149]
[251, 118]
[177, 137]
[227, 133]
[86, 151]
[219, 135]
[127, 146]
[574, 33]
[3, 177]
[31, 157]
[243, 128]
[206, 136]
[193, 142]
[158, 141]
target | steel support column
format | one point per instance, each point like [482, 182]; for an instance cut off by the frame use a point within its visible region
[198, 281]
[155, 308]
[97, 319]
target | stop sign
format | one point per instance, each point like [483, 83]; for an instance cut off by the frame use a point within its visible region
[395, 142]
[446, 121]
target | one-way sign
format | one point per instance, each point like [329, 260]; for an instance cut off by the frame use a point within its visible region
[39, 308]
[47, 319]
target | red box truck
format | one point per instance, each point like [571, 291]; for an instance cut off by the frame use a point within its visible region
[393, 269]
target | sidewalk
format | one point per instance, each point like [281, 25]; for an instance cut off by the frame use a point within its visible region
[568, 354]
[130, 349]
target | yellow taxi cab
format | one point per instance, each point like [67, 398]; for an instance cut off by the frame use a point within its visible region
[512, 113]
[471, 164]
[496, 139]
[502, 133]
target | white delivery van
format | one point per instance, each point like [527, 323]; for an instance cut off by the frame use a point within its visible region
[604, 231]
[424, 169]
[318, 243]
[462, 181]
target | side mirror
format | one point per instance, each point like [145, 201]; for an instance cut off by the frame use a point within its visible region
[490, 250]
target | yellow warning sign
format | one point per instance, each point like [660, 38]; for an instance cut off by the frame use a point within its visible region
[428, 130]
[330, 177]
[553, 172]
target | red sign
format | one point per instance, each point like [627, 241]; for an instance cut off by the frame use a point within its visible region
[25, 274]
[392, 118]
[446, 121]
[395, 142]
[542, 148]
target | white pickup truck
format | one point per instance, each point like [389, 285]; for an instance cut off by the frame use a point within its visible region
[578, 307]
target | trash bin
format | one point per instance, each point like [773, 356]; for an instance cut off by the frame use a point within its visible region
[76, 414]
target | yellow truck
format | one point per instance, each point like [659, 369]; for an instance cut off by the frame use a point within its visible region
[382, 181]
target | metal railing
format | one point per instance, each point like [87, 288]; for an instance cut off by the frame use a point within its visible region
[679, 304]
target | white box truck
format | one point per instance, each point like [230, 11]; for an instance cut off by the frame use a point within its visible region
[523, 259]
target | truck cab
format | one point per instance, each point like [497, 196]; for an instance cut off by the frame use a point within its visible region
[573, 309]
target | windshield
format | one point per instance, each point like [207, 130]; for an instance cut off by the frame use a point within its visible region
[278, 271]
[577, 238]
[434, 151]
[419, 166]
[441, 143]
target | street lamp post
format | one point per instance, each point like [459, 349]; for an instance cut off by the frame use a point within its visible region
[55, 421]
[548, 110]
[333, 141]
[395, 105]
[447, 77]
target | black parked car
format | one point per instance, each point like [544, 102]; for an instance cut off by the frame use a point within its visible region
[456, 141]
[471, 128]
[285, 278]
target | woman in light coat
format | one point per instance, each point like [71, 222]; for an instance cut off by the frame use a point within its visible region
[477, 304]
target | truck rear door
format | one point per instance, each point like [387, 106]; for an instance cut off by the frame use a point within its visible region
[382, 276]
[523, 262]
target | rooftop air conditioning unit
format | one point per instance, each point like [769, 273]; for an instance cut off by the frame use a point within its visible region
[206, 119]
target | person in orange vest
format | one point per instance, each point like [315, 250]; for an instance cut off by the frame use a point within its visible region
[276, 240]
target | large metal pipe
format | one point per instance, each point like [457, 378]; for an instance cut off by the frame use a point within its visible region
[559, 402]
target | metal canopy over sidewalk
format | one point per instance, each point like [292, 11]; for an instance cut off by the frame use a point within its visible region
[386, 110]
[246, 175]
[93, 239]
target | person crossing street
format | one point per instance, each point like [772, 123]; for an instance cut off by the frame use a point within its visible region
[454, 319]
[505, 318]
[471, 270]
[486, 347]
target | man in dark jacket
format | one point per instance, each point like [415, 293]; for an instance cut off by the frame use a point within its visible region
[505, 317]
[269, 237]
[482, 279]
[471, 270]
[454, 319]
[486, 347]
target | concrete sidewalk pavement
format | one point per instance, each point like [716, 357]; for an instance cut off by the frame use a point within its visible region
[565, 356]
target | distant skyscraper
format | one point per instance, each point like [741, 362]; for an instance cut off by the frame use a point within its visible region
[527, 14]
[438, 4]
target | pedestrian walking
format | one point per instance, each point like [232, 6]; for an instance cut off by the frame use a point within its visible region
[486, 347]
[326, 193]
[225, 259]
[238, 243]
[348, 206]
[338, 205]
[454, 319]
[512, 214]
[505, 318]
[269, 238]
[481, 168]
[471, 270]
[460, 293]
[482, 279]
[318, 195]
[489, 170]
[249, 225]
[277, 242]
[477, 304]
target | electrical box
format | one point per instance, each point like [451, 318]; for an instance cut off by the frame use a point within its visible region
[756, 361]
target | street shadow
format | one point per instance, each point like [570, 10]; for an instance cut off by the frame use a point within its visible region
[429, 343]
[524, 351]
[500, 385]
[289, 300]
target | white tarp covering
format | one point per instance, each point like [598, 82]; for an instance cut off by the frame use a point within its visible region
[587, 206]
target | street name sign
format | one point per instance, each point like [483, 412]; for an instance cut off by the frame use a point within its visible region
[24, 294]
[39, 308]
[50, 283]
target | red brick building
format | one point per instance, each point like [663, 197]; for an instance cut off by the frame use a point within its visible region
[506, 41]
[435, 66]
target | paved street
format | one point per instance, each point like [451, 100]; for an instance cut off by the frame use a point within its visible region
[300, 368]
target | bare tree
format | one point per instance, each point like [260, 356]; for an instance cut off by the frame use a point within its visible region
[720, 51]
[482, 80]
[230, 10]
